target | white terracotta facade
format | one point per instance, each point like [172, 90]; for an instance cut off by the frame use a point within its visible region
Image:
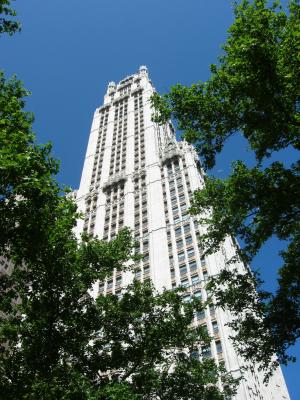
[137, 174]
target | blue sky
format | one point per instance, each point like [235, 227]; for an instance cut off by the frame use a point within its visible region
[69, 50]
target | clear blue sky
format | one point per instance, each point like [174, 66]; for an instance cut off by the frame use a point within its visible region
[69, 50]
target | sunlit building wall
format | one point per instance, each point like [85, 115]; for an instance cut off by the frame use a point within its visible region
[136, 174]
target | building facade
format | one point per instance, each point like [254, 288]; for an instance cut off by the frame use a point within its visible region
[136, 174]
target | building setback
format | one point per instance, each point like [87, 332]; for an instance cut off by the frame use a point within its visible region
[136, 174]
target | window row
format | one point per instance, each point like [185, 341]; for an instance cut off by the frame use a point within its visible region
[206, 351]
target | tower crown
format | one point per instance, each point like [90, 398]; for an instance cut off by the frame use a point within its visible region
[111, 87]
[143, 70]
[136, 174]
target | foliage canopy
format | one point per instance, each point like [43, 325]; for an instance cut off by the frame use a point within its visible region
[56, 340]
[253, 91]
[7, 23]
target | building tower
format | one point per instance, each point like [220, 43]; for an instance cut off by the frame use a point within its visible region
[136, 174]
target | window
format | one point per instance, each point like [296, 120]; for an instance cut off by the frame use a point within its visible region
[181, 197]
[183, 269]
[198, 294]
[137, 274]
[195, 279]
[205, 275]
[181, 256]
[109, 284]
[101, 287]
[146, 270]
[185, 217]
[200, 315]
[183, 207]
[212, 310]
[179, 244]
[185, 282]
[190, 252]
[178, 231]
[219, 347]
[206, 351]
[118, 280]
[188, 240]
[186, 228]
[176, 220]
[174, 210]
[215, 327]
[193, 266]
[186, 298]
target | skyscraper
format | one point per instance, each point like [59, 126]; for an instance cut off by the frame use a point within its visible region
[136, 174]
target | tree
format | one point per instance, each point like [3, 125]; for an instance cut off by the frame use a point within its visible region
[254, 91]
[58, 342]
[28, 193]
[7, 23]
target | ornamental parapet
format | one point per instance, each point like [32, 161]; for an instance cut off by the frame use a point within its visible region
[139, 174]
[93, 194]
[169, 155]
[102, 108]
[136, 90]
[124, 85]
[122, 97]
[114, 180]
[72, 195]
